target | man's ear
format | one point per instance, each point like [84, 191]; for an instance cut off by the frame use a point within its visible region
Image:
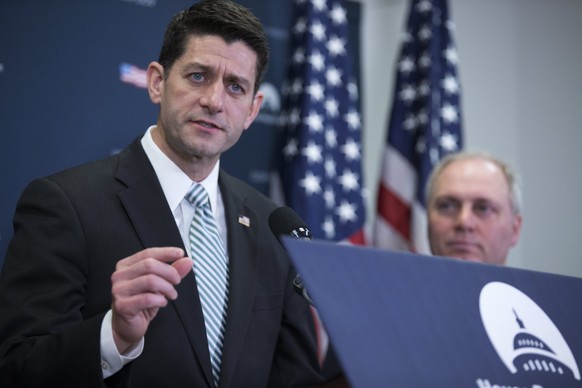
[516, 229]
[255, 108]
[155, 81]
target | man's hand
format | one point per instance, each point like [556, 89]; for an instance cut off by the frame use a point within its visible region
[141, 284]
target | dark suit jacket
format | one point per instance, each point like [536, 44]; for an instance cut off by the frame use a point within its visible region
[71, 229]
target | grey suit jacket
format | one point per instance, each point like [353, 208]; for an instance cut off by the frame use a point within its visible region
[71, 229]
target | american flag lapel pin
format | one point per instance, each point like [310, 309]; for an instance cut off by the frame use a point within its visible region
[244, 220]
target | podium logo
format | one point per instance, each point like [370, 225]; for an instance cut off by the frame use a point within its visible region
[525, 338]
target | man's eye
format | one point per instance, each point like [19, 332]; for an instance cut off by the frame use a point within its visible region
[236, 88]
[484, 209]
[197, 76]
[446, 206]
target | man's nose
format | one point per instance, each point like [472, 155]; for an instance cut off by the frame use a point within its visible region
[466, 217]
[213, 98]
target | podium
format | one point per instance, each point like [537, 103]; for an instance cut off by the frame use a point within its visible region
[404, 320]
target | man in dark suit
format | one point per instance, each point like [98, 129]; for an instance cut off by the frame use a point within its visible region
[97, 287]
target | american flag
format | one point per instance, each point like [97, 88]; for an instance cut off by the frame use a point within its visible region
[425, 125]
[320, 170]
[133, 75]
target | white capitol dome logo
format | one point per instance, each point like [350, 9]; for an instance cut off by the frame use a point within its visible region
[525, 338]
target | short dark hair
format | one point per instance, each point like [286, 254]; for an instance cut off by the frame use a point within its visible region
[224, 18]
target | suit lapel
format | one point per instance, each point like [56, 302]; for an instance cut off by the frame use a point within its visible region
[243, 262]
[154, 223]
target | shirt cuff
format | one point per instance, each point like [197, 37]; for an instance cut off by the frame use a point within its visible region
[111, 360]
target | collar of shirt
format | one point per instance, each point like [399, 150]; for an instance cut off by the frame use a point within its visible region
[175, 183]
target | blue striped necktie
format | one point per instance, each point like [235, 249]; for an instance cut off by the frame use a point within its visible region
[211, 269]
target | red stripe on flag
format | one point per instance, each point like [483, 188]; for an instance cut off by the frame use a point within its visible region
[394, 211]
[358, 238]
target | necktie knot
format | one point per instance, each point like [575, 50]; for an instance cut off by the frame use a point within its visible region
[197, 196]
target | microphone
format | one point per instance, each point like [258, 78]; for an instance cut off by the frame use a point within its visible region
[284, 221]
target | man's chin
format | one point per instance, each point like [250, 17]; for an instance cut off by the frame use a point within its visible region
[467, 257]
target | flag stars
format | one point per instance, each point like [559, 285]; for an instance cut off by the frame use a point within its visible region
[422, 117]
[424, 88]
[448, 142]
[297, 86]
[346, 212]
[332, 107]
[451, 55]
[407, 94]
[450, 84]
[323, 160]
[299, 56]
[315, 90]
[318, 31]
[300, 26]
[353, 119]
[312, 152]
[338, 15]
[449, 113]
[353, 90]
[291, 148]
[409, 123]
[336, 46]
[314, 122]
[424, 33]
[329, 167]
[349, 181]
[294, 117]
[333, 76]
[311, 183]
[424, 60]
[406, 65]
[425, 113]
[351, 150]
[329, 198]
[423, 6]
[330, 137]
[317, 61]
[328, 228]
[319, 5]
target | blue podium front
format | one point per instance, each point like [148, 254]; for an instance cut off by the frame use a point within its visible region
[404, 320]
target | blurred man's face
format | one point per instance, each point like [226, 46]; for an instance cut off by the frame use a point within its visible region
[470, 215]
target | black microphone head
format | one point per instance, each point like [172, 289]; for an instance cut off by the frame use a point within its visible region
[284, 221]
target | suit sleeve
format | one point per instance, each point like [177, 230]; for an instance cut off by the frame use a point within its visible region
[295, 363]
[45, 337]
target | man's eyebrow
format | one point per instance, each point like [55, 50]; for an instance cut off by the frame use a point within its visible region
[197, 66]
[448, 197]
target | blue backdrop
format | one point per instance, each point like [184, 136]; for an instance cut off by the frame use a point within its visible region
[65, 100]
